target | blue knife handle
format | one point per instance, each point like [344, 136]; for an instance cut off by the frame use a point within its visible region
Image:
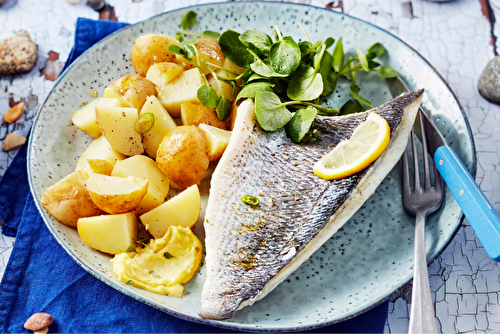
[479, 212]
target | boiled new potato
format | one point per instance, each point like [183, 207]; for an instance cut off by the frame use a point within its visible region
[181, 210]
[100, 149]
[196, 114]
[100, 166]
[150, 49]
[183, 156]
[118, 126]
[218, 140]
[131, 90]
[111, 234]
[162, 73]
[84, 118]
[180, 90]
[144, 167]
[163, 124]
[114, 194]
[68, 200]
[164, 264]
[209, 50]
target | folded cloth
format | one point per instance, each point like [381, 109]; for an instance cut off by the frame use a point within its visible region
[14, 189]
[87, 33]
[41, 277]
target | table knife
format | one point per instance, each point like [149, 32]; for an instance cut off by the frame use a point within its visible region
[479, 212]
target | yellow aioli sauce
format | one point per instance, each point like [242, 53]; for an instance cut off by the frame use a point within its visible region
[163, 265]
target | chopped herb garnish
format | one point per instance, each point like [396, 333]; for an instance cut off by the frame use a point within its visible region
[130, 282]
[142, 242]
[168, 256]
[131, 248]
[145, 122]
[250, 200]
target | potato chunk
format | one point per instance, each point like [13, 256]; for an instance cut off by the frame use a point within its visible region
[131, 90]
[181, 210]
[111, 234]
[114, 194]
[144, 167]
[118, 126]
[209, 50]
[149, 49]
[225, 89]
[183, 156]
[180, 90]
[218, 140]
[85, 120]
[196, 114]
[100, 149]
[163, 124]
[68, 200]
[162, 73]
[100, 166]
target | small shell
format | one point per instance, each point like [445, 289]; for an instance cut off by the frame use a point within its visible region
[38, 321]
[14, 113]
[12, 141]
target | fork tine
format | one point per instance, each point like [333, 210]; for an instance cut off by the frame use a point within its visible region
[427, 176]
[406, 176]
[438, 180]
[415, 162]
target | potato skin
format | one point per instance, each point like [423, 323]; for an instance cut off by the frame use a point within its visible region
[209, 50]
[183, 156]
[196, 114]
[68, 200]
[150, 49]
[132, 90]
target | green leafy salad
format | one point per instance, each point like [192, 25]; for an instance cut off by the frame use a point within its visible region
[285, 78]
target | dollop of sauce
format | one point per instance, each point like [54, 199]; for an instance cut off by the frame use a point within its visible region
[164, 264]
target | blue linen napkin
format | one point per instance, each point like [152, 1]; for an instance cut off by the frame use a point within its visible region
[41, 277]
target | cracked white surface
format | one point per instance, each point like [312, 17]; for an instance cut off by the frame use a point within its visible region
[454, 37]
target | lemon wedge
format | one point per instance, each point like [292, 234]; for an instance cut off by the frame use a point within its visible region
[350, 156]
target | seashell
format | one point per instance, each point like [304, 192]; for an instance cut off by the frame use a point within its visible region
[12, 141]
[14, 113]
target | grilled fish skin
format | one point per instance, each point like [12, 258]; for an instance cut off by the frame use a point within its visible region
[250, 250]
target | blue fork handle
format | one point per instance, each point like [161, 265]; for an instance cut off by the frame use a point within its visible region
[479, 212]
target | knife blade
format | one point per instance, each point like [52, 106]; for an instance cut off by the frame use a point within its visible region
[481, 215]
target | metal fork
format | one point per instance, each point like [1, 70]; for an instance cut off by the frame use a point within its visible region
[421, 201]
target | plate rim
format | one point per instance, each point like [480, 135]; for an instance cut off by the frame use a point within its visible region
[221, 324]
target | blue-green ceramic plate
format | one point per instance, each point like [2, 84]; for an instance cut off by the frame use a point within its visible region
[361, 265]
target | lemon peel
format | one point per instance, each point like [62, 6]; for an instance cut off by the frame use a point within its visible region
[352, 155]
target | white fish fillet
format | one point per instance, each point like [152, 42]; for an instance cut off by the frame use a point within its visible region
[249, 251]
